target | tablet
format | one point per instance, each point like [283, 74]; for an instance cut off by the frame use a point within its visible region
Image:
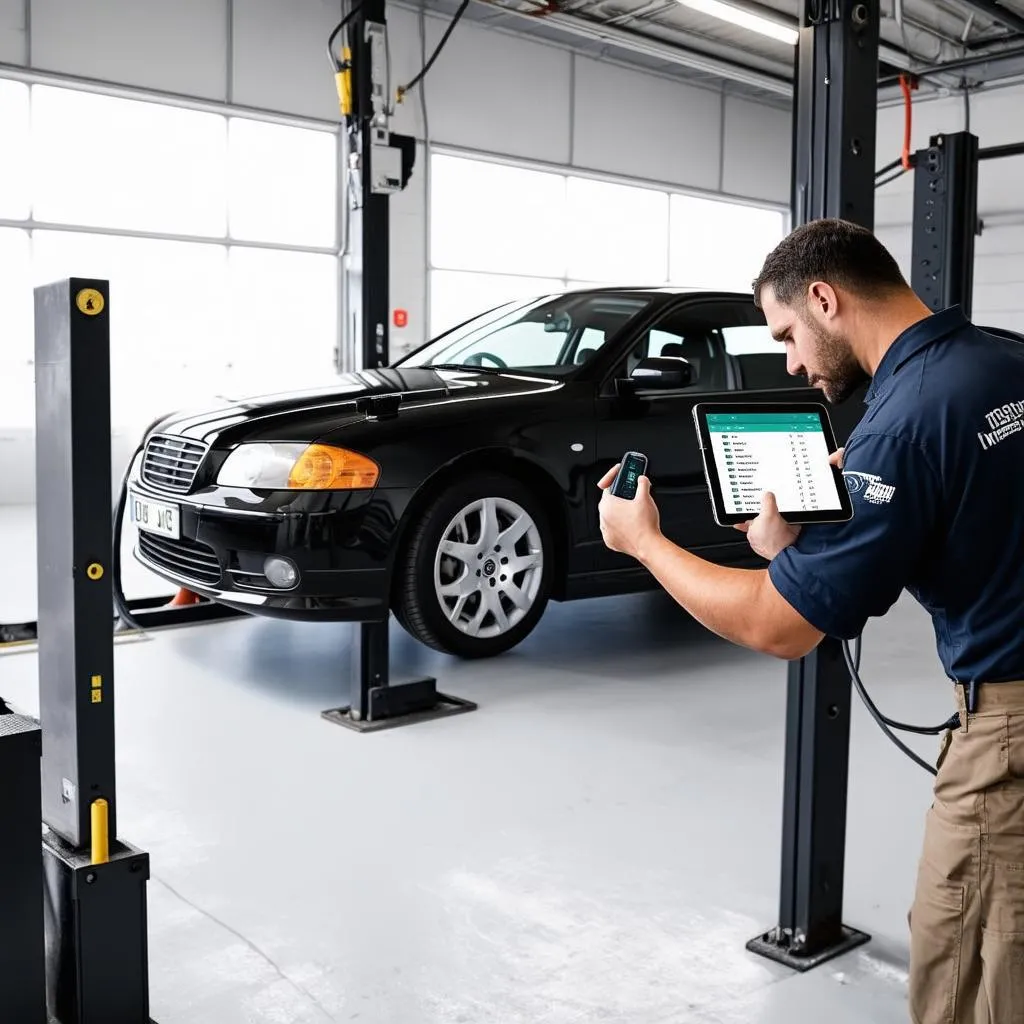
[749, 448]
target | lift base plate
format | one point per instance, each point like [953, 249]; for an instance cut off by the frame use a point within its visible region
[404, 704]
[768, 945]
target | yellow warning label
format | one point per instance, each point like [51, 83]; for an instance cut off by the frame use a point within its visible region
[97, 681]
[97, 696]
[89, 301]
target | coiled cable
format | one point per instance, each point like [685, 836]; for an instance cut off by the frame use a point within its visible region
[887, 724]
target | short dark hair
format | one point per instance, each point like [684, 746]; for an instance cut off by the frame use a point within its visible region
[844, 254]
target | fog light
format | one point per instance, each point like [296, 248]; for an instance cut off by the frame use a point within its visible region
[280, 572]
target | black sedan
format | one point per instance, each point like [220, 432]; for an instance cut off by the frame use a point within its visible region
[457, 487]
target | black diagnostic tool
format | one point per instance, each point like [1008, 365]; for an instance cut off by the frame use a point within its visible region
[632, 467]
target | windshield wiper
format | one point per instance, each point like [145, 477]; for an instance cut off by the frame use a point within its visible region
[466, 366]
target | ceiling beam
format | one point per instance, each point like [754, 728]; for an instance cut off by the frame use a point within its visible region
[639, 42]
[962, 64]
[996, 12]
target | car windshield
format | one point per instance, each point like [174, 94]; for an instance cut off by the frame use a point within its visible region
[551, 335]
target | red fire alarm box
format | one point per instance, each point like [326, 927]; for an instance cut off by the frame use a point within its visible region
[401, 318]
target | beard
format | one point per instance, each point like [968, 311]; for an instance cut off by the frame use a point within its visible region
[837, 373]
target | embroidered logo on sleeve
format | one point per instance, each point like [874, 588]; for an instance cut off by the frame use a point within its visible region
[871, 487]
[1002, 423]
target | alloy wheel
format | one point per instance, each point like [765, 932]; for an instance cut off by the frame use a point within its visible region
[488, 567]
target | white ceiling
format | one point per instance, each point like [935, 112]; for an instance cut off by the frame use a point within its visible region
[670, 37]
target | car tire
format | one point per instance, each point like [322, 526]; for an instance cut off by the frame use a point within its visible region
[463, 590]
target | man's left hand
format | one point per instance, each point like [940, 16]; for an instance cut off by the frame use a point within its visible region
[628, 525]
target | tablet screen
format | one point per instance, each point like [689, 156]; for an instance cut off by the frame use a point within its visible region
[783, 452]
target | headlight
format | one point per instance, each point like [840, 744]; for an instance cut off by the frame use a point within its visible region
[300, 467]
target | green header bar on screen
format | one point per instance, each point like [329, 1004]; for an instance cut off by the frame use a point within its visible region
[762, 417]
[789, 423]
[765, 428]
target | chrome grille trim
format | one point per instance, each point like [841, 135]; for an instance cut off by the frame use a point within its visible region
[170, 463]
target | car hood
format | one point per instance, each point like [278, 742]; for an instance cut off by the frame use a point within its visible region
[353, 397]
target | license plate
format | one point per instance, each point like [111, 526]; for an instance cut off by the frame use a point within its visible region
[156, 516]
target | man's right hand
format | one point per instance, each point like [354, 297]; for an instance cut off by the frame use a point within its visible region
[769, 533]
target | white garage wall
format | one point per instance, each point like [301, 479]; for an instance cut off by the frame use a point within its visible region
[998, 298]
[490, 93]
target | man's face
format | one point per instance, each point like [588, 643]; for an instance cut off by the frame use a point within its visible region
[815, 347]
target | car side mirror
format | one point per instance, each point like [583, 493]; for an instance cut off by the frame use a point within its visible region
[660, 373]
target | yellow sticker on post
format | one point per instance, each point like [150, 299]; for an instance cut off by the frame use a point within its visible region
[89, 301]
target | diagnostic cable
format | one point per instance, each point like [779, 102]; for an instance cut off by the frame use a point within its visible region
[888, 724]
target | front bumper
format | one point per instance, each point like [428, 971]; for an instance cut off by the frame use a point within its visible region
[341, 543]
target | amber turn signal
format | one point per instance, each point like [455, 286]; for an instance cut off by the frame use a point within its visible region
[322, 467]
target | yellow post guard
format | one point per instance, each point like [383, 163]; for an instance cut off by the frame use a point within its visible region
[100, 832]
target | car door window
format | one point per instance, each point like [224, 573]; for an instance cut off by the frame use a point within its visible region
[694, 342]
[587, 347]
[759, 359]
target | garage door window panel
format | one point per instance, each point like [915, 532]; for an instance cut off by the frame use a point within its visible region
[168, 327]
[282, 321]
[17, 348]
[15, 203]
[721, 245]
[500, 219]
[150, 197]
[617, 232]
[138, 166]
[282, 184]
[458, 296]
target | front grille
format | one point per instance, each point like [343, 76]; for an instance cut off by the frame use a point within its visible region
[170, 463]
[183, 557]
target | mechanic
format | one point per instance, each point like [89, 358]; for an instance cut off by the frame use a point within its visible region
[940, 448]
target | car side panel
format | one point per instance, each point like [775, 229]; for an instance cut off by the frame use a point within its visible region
[552, 435]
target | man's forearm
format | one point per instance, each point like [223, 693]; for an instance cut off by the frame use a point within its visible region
[740, 605]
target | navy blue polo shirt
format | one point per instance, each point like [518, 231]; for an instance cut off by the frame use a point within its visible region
[935, 469]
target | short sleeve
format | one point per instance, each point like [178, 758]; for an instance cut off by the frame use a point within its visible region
[838, 575]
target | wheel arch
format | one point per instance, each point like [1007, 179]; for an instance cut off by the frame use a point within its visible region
[504, 461]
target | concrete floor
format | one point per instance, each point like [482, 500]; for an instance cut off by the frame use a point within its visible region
[595, 843]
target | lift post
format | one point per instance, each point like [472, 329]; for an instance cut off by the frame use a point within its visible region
[833, 176]
[22, 964]
[375, 703]
[95, 885]
[945, 221]
[379, 165]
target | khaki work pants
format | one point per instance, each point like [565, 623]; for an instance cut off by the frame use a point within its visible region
[967, 917]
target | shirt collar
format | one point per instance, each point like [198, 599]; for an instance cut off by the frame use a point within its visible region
[916, 337]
